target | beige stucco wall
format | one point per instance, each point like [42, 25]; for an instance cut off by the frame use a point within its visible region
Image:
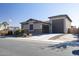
[35, 26]
[24, 26]
[67, 25]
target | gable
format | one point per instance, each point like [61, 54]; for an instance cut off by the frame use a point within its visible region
[33, 21]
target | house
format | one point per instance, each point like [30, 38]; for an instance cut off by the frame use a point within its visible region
[4, 28]
[35, 26]
[56, 24]
[60, 23]
[12, 29]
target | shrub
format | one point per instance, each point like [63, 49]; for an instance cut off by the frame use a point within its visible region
[17, 33]
[10, 33]
[78, 31]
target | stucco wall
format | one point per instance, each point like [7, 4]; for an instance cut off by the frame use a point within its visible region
[35, 26]
[67, 25]
[24, 26]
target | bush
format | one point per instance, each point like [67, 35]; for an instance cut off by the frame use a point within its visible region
[24, 32]
[3, 32]
[69, 30]
[21, 33]
[17, 33]
[78, 31]
[10, 33]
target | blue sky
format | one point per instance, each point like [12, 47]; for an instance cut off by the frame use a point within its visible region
[16, 13]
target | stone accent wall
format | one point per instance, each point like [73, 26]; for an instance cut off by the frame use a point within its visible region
[35, 31]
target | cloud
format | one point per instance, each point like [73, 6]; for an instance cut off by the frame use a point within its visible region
[10, 20]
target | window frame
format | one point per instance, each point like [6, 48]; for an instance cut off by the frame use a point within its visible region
[31, 27]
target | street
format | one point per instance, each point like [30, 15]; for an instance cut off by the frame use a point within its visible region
[10, 47]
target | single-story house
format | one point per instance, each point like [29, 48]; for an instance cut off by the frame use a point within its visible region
[35, 26]
[56, 24]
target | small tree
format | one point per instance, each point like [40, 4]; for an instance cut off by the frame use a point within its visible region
[78, 30]
[25, 32]
[10, 33]
[69, 30]
[17, 33]
[22, 31]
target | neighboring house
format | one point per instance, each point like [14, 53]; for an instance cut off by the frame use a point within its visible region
[60, 24]
[35, 26]
[4, 28]
[12, 29]
[56, 24]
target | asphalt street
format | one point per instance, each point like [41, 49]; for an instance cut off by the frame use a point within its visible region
[10, 47]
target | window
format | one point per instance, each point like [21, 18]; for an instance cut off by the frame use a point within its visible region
[31, 26]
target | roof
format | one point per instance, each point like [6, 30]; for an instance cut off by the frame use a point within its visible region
[61, 16]
[35, 21]
[5, 23]
[13, 27]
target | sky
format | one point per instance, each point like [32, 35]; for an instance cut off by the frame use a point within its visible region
[15, 13]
